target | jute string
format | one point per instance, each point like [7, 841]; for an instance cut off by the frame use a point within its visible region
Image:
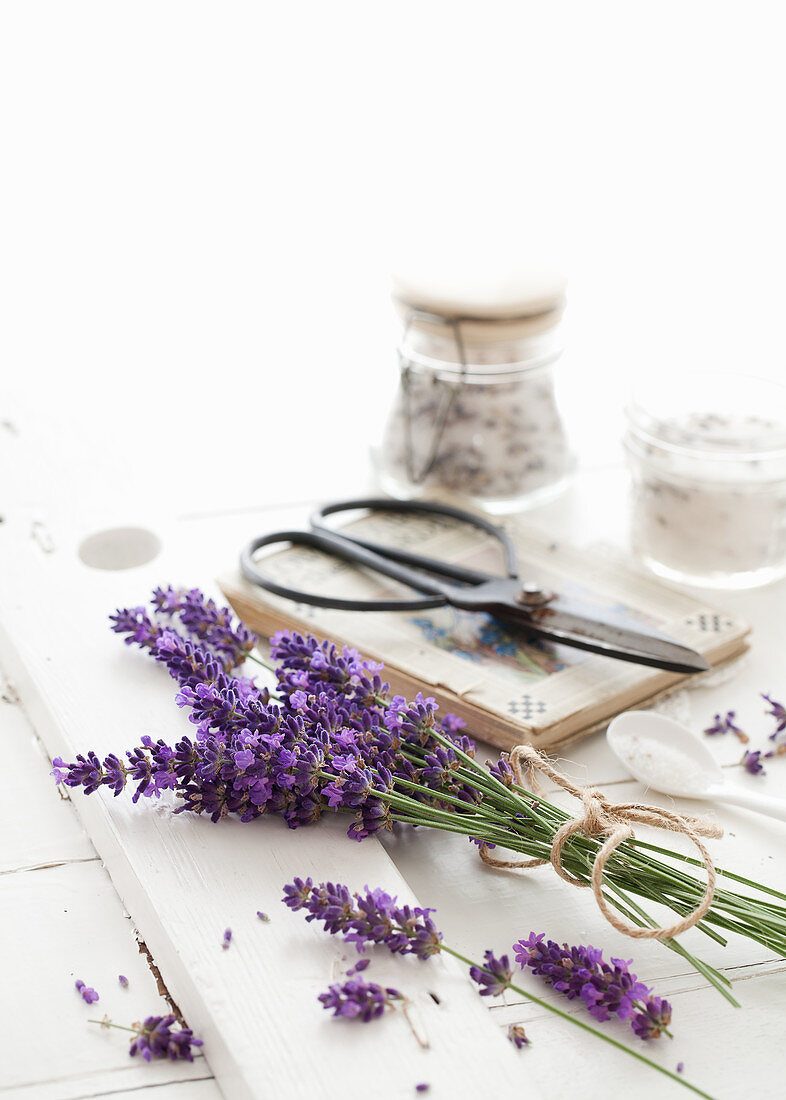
[615, 820]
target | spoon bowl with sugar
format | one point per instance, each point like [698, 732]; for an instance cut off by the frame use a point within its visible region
[665, 756]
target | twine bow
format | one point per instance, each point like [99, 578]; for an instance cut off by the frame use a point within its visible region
[615, 820]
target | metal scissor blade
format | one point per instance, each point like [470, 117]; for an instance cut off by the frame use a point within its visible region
[562, 623]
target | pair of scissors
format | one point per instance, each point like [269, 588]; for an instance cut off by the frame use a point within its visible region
[525, 606]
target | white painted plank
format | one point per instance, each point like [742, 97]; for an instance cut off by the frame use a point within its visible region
[37, 823]
[185, 880]
[56, 925]
[196, 1089]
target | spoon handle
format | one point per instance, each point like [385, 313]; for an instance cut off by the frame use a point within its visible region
[751, 800]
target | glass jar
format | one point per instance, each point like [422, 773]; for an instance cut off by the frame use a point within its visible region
[707, 454]
[475, 417]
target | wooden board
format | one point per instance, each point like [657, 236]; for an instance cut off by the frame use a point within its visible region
[184, 880]
[82, 687]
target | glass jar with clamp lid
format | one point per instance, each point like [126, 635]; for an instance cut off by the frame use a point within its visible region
[475, 416]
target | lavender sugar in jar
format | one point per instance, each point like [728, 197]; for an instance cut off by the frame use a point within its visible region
[475, 417]
[707, 454]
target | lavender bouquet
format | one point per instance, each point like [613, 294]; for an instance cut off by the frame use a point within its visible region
[333, 740]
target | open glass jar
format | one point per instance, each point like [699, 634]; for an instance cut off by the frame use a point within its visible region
[475, 416]
[707, 454]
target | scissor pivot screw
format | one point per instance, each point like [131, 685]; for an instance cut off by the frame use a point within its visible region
[532, 595]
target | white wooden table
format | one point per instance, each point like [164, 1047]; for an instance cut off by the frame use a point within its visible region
[85, 880]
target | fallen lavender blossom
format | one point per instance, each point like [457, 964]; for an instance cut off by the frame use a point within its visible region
[727, 725]
[88, 995]
[751, 762]
[778, 712]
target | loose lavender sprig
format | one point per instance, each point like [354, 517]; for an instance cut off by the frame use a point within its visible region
[357, 999]
[156, 1038]
[368, 918]
[374, 917]
[607, 989]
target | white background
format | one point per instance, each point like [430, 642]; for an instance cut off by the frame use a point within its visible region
[201, 204]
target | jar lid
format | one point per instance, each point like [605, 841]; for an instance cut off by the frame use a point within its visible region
[491, 295]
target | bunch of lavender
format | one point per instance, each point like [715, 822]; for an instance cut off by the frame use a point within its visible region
[374, 918]
[605, 988]
[334, 740]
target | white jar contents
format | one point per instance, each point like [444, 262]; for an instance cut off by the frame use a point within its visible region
[476, 414]
[709, 487]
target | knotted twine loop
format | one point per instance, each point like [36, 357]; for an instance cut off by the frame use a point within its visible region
[615, 820]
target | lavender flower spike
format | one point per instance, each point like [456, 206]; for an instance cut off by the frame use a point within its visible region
[653, 1020]
[372, 917]
[156, 1039]
[494, 976]
[359, 1000]
[606, 989]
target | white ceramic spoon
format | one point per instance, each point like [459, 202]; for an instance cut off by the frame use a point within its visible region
[667, 757]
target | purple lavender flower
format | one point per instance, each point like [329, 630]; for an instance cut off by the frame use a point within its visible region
[606, 989]
[89, 996]
[778, 712]
[123, 981]
[212, 625]
[359, 1000]
[227, 938]
[263, 916]
[137, 625]
[653, 1020]
[732, 727]
[336, 744]
[494, 976]
[320, 668]
[156, 1039]
[201, 620]
[359, 967]
[368, 918]
[751, 761]
[727, 724]
[518, 1036]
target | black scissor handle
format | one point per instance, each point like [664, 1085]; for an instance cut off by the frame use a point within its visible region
[419, 561]
[348, 550]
